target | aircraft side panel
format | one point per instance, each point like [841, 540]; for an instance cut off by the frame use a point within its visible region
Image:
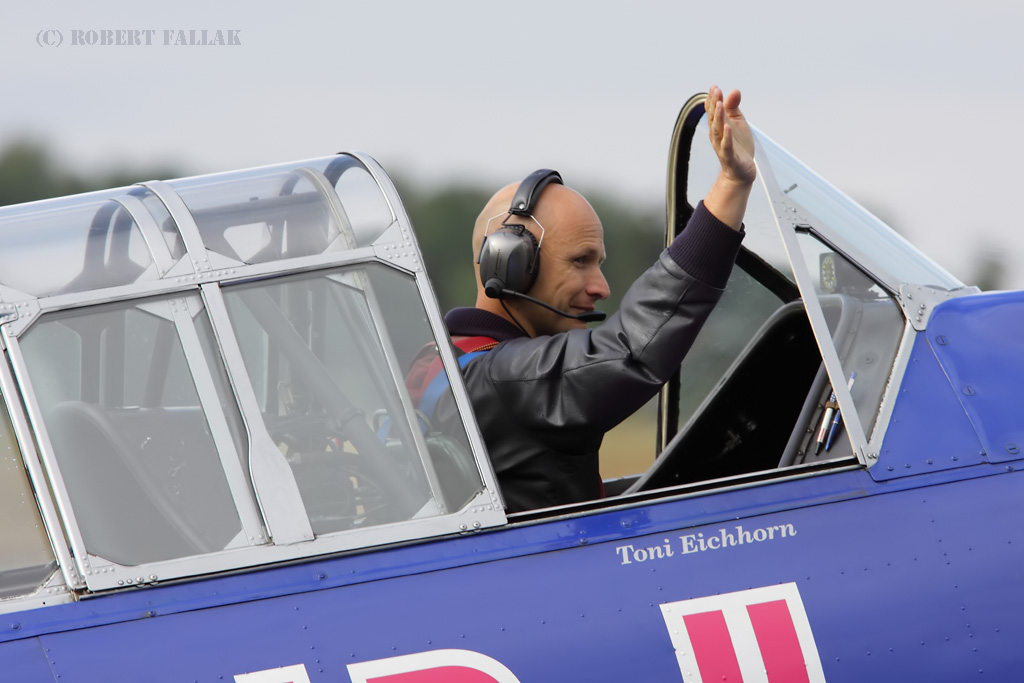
[959, 402]
[901, 583]
[929, 429]
[24, 660]
[979, 340]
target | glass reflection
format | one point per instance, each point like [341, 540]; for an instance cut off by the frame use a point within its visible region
[865, 323]
[129, 432]
[86, 242]
[287, 211]
[328, 366]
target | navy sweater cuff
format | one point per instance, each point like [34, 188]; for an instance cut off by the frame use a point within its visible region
[706, 248]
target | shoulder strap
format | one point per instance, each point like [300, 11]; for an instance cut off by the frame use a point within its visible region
[471, 344]
[438, 382]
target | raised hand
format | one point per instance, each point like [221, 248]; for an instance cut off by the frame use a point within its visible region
[733, 143]
[730, 135]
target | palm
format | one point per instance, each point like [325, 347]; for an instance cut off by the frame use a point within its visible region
[731, 136]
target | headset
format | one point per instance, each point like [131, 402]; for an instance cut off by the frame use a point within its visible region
[509, 257]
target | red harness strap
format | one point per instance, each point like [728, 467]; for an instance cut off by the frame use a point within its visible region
[427, 363]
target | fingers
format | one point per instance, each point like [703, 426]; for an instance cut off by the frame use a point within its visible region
[719, 127]
[715, 113]
[732, 102]
[725, 145]
[714, 92]
[711, 102]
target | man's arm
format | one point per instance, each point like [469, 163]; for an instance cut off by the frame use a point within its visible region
[571, 387]
[578, 384]
[733, 143]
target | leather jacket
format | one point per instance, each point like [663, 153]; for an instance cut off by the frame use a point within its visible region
[544, 404]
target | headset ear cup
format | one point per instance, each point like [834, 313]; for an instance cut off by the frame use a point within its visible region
[524, 273]
[509, 259]
[491, 276]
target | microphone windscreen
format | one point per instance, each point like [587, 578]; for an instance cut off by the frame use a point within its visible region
[592, 316]
[494, 288]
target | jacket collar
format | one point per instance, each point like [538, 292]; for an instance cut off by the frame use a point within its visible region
[475, 322]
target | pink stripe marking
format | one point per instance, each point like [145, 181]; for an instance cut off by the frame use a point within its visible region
[777, 639]
[712, 647]
[438, 674]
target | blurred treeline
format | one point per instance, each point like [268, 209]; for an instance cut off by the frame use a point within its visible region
[30, 171]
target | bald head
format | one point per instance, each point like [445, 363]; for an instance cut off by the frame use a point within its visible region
[572, 249]
[558, 207]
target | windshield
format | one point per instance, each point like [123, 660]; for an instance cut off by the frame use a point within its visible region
[851, 227]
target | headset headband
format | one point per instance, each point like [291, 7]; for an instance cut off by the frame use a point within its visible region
[529, 191]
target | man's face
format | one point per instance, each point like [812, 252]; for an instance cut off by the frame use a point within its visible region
[571, 255]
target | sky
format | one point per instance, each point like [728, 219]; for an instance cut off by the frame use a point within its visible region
[911, 108]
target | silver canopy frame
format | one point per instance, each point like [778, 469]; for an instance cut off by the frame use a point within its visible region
[190, 242]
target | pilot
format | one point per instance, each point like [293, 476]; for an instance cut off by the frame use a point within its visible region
[545, 394]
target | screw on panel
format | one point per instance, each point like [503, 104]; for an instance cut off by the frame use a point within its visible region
[1012, 448]
[969, 390]
[942, 341]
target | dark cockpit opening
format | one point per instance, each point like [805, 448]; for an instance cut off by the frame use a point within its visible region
[745, 424]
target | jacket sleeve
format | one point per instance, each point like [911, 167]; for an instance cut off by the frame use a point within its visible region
[572, 387]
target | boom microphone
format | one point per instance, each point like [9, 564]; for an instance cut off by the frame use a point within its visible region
[494, 290]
